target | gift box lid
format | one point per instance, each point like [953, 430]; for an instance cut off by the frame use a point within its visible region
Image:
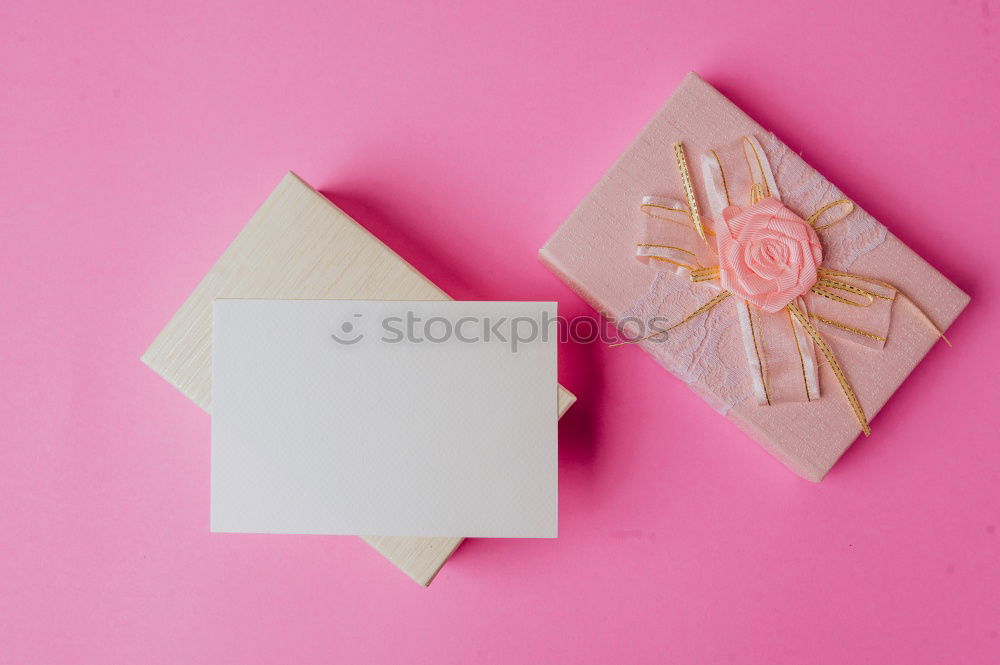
[299, 245]
[595, 252]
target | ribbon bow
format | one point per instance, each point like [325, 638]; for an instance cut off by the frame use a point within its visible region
[768, 261]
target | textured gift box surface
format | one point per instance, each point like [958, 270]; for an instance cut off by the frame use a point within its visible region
[594, 253]
[298, 245]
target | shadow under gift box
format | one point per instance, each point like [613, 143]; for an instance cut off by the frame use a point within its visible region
[594, 252]
[299, 245]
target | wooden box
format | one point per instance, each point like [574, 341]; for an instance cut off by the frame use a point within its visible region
[299, 245]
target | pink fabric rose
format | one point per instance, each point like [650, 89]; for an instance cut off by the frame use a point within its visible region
[768, 255]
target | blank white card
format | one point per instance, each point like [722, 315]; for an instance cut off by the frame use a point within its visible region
[384, 417]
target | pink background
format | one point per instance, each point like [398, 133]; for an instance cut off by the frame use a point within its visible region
[136, 139]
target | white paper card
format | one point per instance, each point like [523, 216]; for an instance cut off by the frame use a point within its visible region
[384, 417]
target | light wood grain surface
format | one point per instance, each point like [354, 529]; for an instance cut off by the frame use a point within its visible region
[300, 245]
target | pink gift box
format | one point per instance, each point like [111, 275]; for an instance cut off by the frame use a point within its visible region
[595, 253]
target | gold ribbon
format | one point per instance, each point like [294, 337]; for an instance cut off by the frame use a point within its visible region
[827, 352]
[829, 284]
[692, 202]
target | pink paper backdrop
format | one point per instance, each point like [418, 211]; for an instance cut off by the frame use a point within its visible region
[136, 139]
